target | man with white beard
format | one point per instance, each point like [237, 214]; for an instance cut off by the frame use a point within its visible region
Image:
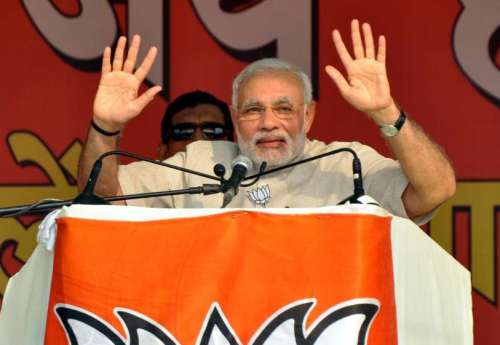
[272, 112]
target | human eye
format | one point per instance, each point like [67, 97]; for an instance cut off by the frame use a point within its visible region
[284, 109]
[252, 110]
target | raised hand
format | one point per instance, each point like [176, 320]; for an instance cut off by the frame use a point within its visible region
[117, 100]
[366, 87]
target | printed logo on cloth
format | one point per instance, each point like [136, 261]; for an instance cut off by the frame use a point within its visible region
[173, 302]
[260, 196]
[344, 323]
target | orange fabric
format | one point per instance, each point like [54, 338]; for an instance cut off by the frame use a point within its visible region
[252, 264]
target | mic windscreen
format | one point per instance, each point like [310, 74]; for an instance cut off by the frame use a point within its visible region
[242, 160]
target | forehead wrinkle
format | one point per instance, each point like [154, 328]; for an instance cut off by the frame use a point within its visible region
[281, 83]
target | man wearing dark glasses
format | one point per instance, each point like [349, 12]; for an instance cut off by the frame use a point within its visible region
[193, 116]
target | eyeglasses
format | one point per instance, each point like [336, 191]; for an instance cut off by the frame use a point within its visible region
[210, 130]
[256, 111]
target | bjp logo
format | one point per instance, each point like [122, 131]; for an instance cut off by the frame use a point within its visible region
[344, 323]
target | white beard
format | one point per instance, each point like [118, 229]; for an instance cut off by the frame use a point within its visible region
[273, 156]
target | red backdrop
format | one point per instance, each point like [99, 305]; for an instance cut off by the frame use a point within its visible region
[443, 63]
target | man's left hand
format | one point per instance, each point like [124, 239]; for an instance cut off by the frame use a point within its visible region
[367, 86]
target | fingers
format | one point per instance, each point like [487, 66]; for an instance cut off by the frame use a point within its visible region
[106, 60]
[357, 43]
[144, 68]
[338, 79]
[120, 48]
[129, 64]
[369, 45]
[147, 97]
[344, 55]
[132, 54]
[360, 51]
[381, 50]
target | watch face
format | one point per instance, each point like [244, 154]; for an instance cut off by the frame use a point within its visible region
[389, 130]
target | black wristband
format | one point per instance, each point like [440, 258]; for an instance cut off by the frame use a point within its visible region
[102, 131]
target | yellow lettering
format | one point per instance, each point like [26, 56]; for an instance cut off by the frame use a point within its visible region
[13, 230]
[27, 147]
[481, 197]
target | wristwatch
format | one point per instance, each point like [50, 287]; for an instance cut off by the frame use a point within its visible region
[392, 130]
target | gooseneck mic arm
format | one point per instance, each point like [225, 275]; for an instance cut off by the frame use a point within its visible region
[89, 198]
[228, 187]
[356, 171]
[46, 205]
[359, 189]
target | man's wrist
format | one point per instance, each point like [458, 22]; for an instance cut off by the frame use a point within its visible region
[392, 130]
[105, 129]
[387, 115]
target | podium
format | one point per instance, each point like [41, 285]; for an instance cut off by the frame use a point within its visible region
[334, 275]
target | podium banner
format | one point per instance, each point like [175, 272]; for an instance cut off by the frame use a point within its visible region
[230, 278]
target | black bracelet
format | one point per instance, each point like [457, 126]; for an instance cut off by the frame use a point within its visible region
[102, 131]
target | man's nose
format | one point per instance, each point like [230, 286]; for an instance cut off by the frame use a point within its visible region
[269, 120]
[198, 134]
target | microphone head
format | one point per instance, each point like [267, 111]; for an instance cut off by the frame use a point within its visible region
[242, 160]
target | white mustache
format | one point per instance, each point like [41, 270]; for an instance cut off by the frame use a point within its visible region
[275, 135]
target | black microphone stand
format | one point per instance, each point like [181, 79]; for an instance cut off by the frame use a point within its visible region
[359, 190]
[87, 197]
[45, 206]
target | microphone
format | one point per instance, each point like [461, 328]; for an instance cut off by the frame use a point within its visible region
[241, 164]
[87, 197]
[359, 192]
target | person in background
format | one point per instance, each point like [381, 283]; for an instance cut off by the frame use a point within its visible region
[193, 116]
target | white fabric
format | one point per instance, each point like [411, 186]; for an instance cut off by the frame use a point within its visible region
[131, 213]
[47, 230]
[24, 307]
[433, 290]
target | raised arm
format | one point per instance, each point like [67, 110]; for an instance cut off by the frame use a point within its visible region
[430, 174]
[116, 102]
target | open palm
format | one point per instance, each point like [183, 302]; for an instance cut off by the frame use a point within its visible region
[366, 87]
[117, 99]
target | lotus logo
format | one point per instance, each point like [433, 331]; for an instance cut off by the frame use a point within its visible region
[346, 323]
[260, 195]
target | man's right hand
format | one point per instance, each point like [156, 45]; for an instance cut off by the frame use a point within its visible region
[117, 100]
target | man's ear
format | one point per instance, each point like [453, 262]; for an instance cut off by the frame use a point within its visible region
[309, 116]
[162, 151]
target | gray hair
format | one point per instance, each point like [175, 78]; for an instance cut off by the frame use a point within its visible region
[271, 65]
